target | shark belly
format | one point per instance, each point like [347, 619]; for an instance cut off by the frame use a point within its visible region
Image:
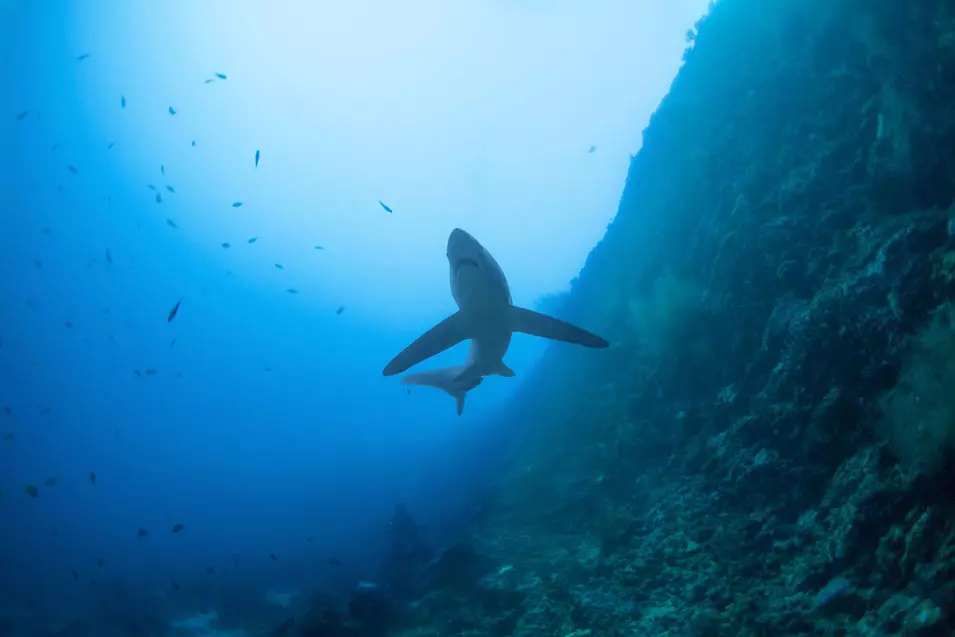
[490, 337]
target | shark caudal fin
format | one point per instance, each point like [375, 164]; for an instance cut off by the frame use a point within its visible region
[537, 324]
[447, 380]
[442, 336]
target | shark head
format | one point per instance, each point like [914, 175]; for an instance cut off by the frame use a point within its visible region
[476, 278]
[486, 315]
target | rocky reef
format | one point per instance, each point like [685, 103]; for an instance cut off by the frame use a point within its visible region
[767, 448]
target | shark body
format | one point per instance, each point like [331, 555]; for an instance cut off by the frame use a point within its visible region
[445, 379]
[486, 315]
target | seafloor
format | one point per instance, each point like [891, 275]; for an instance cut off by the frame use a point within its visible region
[767, 448]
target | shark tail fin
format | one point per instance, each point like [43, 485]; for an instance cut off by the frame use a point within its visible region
[537, 324]
[459, 399]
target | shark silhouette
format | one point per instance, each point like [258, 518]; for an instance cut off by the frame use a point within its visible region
[486, 315]
[445, 379]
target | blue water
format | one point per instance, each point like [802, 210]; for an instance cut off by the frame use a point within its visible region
[267, 427]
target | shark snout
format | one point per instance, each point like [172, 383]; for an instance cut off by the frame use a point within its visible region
[460, 241]
[463, 249]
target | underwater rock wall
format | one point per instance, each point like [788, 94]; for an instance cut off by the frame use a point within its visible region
[766, 450]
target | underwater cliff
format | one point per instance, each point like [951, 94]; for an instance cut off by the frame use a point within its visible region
[767, 447]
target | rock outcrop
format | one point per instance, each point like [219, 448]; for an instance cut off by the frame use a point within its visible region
[766, 450]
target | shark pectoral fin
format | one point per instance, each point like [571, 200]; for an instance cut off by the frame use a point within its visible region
[504, 370]
[460, 401]
[537, 324]
[442, 336]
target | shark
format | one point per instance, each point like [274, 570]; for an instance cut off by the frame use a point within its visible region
[486, 315]
[445, 379]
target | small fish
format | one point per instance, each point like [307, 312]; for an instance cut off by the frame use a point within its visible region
[55, 147]
[193, 143]
[235, 561]
[138, 373]
[150, 372]
[22, 115]
[60, 188]
[72, 169]
[175, 586]
[173, 311]
[91, 585]
[173, 343]
[142, 533]
[151, 187]
[171, 223]
[110, 145]
[309, 539]
[279, 266]
[158, 197]
[273, 557]
[92, 478]
[291, 291]
[178, 528]
[591, 149]
[31, 491]
[387, 209]
[47, 230]
[209, 81]
[109, 257]
[50, 482]
[226, 244]
[253, 239]
[37, 263]
[81, 57]
[172, 111]
[222, 76]
[122, 101]
[409, 392]
[256, 159]
[6, 410]
[171, 189]
[67, 324]
[210, 570]
[319, 248]
[76, 576]
[45, 411]
[162, 169]
[8, 437]
[237, 204]
[334, 561]
[99, 563]
[340, 310]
